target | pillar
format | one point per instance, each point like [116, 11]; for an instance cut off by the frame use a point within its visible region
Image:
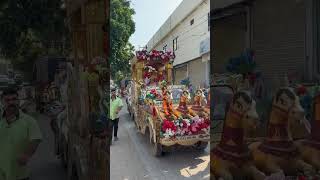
[169, 68]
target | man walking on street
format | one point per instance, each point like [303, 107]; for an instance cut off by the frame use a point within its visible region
[19, 138]
[115, 108]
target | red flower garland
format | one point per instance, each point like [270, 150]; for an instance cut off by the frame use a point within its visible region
[301, 90]
[154, 92]
[147, 75]
[155, 55]
[168, 125]
[192, 129]
[204, 124]
[302, 178]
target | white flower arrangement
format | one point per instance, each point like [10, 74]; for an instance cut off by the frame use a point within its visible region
[169, 133]
[187, 127]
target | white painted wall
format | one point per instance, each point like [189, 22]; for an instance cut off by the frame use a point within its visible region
[189, 36]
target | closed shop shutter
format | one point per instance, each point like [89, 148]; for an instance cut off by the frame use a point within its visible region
[316, 39]
[197, 72]
[229, 36]
[180, 73]
[279, 38]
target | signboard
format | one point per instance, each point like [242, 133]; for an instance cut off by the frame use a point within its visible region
[205, 46]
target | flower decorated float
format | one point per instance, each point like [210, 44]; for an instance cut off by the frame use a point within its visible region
[163, 110]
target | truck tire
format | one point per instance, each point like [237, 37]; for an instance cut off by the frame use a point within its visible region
[74, 175]
[64, 154]
[157, 149]
[200, 146]
[136, 124]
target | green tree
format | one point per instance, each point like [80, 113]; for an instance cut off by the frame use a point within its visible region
[122, 27]
[118, 77]
[28, 28]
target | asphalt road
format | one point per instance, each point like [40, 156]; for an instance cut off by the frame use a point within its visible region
[132, 159]
[44, 165]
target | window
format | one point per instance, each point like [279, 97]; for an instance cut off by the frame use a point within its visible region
[165, 48]
[192, 22]
[175, 44]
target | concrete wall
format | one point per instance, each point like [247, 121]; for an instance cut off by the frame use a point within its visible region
[229, 40]
[189, 38]
[279, 39]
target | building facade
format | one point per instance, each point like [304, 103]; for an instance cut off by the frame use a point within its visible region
[284, 35]
[187, 33]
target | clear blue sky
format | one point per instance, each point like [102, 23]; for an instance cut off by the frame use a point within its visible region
[150, 15]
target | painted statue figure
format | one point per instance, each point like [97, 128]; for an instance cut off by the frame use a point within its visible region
[198, 106]
[184, 99]
[310, 148]
[161, 76]
[167, 105]
[231, 157]
[183, 109]
[277, 152]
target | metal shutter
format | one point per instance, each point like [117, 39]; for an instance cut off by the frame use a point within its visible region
[279, 37]
[229, 36]
[197, 72]
[180, 73]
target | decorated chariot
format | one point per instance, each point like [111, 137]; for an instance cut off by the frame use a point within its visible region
[165, 111]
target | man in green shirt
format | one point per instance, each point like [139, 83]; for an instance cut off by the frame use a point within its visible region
[115, 108]
[19, 138]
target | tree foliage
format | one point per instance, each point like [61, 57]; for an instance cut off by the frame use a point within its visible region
[122, 27]
[28, 27]
[118, 77]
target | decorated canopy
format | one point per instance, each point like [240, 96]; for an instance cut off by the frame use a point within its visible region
[153, 67]
[155, 56]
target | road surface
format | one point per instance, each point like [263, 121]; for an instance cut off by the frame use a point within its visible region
[132, 159]
[44, 165]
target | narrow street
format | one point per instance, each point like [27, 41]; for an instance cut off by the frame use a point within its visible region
[132, 159]
[45, 165]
